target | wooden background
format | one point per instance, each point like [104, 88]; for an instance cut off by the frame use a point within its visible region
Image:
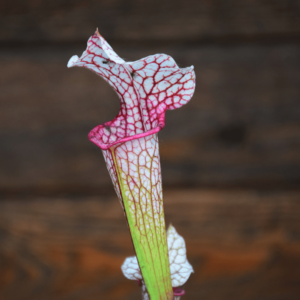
[230, 158]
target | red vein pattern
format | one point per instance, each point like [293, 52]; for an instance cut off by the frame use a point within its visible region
[146, 88]
[113, 173]
[138, 166]
[138, 170]
[141, 179]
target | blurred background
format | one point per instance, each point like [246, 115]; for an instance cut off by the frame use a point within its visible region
[230, 158]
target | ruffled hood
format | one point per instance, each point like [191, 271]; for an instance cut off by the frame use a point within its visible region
[146, 88]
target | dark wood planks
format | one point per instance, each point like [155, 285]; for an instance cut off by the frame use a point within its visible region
[240, 128]
[242, 244]
[147, 20]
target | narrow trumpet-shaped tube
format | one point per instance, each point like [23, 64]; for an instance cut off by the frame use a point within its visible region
[138, 171]
[146, 88]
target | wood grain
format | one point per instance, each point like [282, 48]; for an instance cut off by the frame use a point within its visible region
[147, 20]
[241, 127]
[242, 245]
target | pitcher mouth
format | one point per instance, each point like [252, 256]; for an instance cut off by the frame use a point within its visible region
[94, 137]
